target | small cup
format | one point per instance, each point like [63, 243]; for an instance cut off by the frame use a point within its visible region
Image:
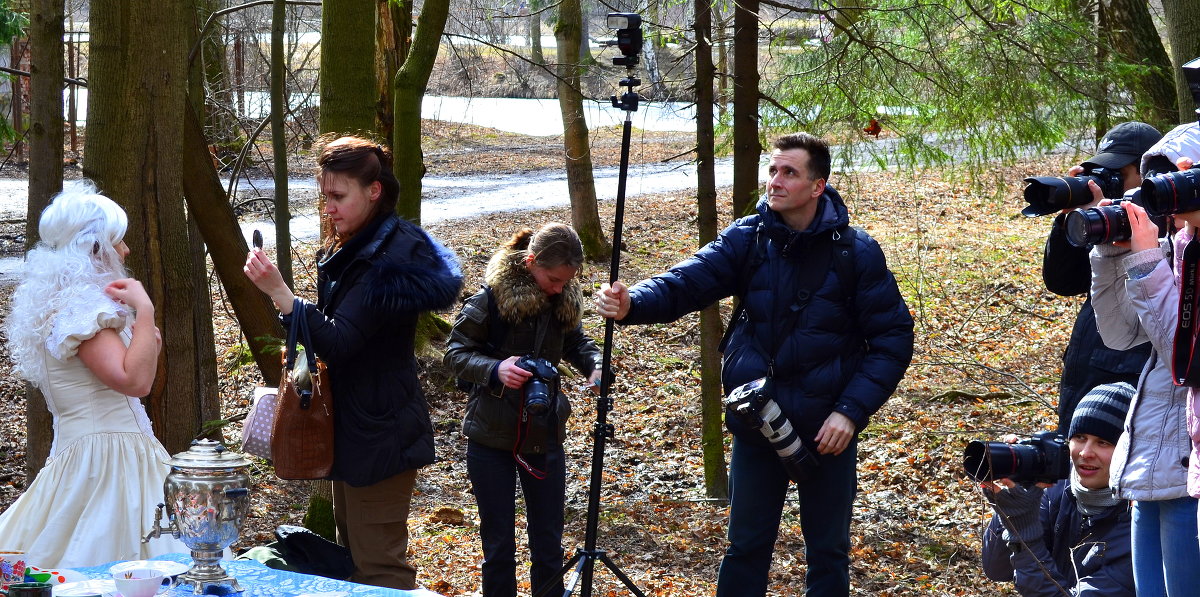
[12, 567]
[29, 589]
[141, 582]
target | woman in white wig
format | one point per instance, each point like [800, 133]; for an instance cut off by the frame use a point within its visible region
[83, 333]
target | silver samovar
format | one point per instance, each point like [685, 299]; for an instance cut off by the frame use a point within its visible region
[207, 497]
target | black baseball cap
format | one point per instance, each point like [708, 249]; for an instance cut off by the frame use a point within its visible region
[1123, 145]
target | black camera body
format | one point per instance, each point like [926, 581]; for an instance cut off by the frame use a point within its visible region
[541, 389]
[1107, 223]
[1051, 194]
[1177, 192]
[1172, 192]
[754, 405]
[1041, 458]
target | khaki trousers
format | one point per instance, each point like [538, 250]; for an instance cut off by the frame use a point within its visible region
[372, 522]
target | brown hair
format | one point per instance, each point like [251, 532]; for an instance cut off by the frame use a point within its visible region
[364, 161]
[819, 161]
[553, 245]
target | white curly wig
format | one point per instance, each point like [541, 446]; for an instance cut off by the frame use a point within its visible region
[71, 264]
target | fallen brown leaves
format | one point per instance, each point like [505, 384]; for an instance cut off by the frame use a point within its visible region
[988, 344]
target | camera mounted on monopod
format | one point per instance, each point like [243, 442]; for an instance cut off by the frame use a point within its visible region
[629, 42]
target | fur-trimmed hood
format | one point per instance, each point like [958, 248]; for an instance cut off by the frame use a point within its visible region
[518, 296]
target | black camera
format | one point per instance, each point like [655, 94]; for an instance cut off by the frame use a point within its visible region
[1107, 223]
[1172, 192]
[1051, 194]
[1042, 458]
[541, 388]
[1177, 192]
[752, 403]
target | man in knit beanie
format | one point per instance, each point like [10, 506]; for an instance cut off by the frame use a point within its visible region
[1033, 536]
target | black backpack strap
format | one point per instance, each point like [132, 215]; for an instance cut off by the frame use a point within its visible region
[843, 262]
[758, 254]
[497, 327]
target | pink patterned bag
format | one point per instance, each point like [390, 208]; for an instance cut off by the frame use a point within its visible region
[256, 431]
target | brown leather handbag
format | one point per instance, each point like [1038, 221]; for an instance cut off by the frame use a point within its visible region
[302, 435]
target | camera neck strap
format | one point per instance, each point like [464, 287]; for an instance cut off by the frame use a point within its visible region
[808, 281]
[523, 417]
[1185, 359]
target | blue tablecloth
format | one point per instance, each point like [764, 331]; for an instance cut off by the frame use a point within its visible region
[257, 580]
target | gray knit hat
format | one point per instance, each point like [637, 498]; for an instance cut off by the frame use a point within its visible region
[1102, 412]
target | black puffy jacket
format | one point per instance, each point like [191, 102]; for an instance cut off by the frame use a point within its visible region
[844, 356]
[369, 295]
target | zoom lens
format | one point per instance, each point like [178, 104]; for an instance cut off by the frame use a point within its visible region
[1097, 226]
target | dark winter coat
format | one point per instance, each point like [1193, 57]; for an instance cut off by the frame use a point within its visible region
[369, 295]
[1087, 362]
[1087, 557]
[493, 409]
[843, 354]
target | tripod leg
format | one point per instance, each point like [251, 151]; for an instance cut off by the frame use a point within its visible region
[561, 573]
[620, 575]
[585, 566]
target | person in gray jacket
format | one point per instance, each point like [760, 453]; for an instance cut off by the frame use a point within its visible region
[1135, 296]
[530, 307]
[1070, 538]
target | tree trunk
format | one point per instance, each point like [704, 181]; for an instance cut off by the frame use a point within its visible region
[658, 89]
[1099, 99]
[46, 70]
[279, 108]
[585, 57]
[134, 148]
[716, 477]
[1183, 33]
[535, 37]
[348, 92]
[722, 41]
[580, 185]
[390, 48]
[410, 83]
[218, 226]
[1134, 40]
[219, 113]
[746, 147]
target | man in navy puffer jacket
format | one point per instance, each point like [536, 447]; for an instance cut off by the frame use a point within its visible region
[834, 359]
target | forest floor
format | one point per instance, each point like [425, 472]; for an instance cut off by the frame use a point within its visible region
[988, 344]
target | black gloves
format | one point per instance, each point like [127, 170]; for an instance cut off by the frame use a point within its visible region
[1018, 509]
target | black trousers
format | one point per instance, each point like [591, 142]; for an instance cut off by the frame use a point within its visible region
[494, 475]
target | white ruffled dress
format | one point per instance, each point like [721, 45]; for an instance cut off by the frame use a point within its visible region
[95, 498]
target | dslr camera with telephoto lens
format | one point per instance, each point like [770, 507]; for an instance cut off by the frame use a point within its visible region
[1177, 192]
[1041, 458]
[541, 388]
[1051, 194]
[753, 404]
[1107, 223]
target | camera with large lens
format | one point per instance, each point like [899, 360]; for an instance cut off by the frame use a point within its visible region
[1172, 192]
[753, 404]
[541, 388]
[1051, 194]
[1107, 223]
[1042, 458]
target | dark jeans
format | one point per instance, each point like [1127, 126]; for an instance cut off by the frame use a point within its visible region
[494, 474]
[757, 488]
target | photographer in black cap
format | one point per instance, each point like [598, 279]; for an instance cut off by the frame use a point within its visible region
[1066, 271]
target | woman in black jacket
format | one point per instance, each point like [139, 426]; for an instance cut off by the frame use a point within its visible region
[373, 281]
[529, 312]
